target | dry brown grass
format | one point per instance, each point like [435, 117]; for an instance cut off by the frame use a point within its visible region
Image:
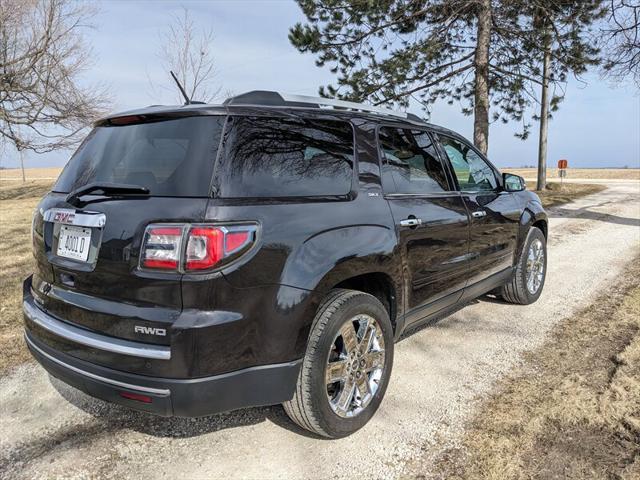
[581, 173]
[555, 194]
[16, 262]
[572, 411]
[15, 174]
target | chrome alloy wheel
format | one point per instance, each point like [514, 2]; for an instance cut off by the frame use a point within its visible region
[355, 366]
[535, 266]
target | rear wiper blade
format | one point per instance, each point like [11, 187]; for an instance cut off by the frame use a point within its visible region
[107, 189]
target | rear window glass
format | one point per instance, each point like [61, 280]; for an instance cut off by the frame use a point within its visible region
[169, 157]
[285, 157]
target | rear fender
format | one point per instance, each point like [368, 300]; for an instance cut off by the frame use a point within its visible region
[318, 265]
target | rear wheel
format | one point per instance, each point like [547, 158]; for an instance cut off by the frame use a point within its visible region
[346, 368]
[528, 278]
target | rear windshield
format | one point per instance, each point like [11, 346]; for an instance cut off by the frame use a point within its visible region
[285, 157]
[172, 158]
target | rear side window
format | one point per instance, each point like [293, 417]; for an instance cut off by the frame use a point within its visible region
[411, 164]
[285, 157]
[169, 157]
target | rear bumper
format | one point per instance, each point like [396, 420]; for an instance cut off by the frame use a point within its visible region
[251, 387]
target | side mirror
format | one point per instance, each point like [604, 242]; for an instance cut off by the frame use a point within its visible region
[513, 183]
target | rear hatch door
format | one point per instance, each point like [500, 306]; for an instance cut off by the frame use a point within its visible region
[87, 241]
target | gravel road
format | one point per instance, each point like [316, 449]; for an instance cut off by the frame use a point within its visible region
[49, 429]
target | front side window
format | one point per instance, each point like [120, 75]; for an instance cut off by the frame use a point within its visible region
[411, 163]
[285, 157]
[470, 169]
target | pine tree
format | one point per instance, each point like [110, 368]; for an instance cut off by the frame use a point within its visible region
[484, 54]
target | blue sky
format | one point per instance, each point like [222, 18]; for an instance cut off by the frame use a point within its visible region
[597, 124]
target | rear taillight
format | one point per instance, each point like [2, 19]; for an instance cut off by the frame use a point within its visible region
[162, 247]
[206, 246]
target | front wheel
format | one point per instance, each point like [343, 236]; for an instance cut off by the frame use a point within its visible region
[528, 278]
[346, 369]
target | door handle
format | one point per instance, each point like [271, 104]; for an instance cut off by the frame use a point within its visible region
[479, 214]
[411, 222]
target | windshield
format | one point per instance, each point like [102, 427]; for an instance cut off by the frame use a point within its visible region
[170, 157]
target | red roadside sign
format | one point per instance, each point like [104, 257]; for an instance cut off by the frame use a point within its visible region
[563, 164]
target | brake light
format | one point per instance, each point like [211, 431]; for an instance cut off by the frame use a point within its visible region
[204, 247]
[207, 246]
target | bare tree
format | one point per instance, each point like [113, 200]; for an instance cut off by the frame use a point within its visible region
[187, 51]
[623, 35]
[43, 106]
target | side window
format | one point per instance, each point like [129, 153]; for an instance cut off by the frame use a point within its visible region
[410, 163]
[472, 172]
[286, 157]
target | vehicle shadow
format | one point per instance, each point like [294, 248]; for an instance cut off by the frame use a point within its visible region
[586, 214]
[115, 417]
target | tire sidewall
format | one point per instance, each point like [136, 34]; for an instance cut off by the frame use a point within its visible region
[330, 422]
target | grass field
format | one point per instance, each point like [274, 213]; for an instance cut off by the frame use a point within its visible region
[17, 202]
[15, 174]
[581, 173]
[573, 409]
[556, 194]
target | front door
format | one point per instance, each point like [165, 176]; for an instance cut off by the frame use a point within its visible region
[494, 213]
[430, 217]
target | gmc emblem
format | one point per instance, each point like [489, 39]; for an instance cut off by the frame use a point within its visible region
[150, 330]
[64, 217]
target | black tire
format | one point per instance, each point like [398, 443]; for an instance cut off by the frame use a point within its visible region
[310, 406]
[516, 291]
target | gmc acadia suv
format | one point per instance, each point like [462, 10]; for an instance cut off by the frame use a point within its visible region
[202, 258]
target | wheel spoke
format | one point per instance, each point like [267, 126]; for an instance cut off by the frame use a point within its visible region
[343, 402]
[336, 371]
[367, 338]
[374, 360]
[349, 337]
[362, 384]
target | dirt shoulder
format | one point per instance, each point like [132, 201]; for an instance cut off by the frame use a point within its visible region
[556, 194]
[572, 410]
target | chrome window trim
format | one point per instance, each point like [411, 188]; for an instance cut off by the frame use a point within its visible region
[94, 340]
[128, 386]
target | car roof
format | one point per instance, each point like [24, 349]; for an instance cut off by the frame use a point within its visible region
[195, 109]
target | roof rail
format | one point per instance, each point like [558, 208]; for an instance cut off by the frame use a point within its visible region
[264, 97]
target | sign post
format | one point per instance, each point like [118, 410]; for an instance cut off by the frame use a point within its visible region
[562, 169]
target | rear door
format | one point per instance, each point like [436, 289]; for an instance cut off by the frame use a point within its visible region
[88, 249]
[494, 213]
[430, 217]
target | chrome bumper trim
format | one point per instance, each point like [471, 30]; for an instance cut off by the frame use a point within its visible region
[94, 340]
[128, 386]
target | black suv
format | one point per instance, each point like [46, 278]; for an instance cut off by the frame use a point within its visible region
[202, 258]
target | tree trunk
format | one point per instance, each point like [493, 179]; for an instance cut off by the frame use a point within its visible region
[481, 93]
[544, 117]
[21, 152]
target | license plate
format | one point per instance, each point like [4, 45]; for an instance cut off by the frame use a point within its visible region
[74, 242]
